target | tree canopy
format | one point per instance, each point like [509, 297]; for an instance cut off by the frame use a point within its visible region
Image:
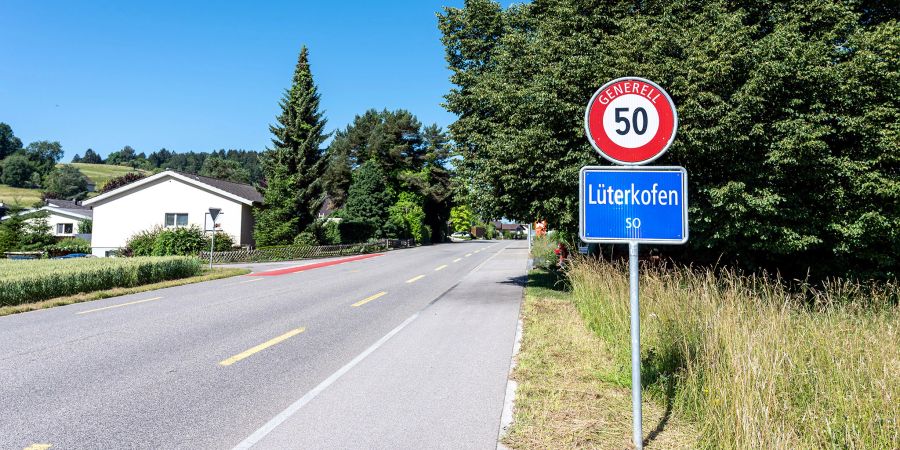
[293, 167]
[411, 158]
[789, 119]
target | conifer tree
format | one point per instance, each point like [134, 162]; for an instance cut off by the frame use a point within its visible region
[293, 190]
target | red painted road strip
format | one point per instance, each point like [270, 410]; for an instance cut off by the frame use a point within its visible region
[288, 270]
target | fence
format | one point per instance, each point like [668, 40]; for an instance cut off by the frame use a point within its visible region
[292, 252]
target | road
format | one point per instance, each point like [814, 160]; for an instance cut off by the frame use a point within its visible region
[409, 349]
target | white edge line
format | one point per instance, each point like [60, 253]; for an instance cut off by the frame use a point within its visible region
[509, 400]
[264, 430]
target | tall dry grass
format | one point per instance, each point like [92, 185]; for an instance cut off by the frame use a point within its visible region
[753, 364]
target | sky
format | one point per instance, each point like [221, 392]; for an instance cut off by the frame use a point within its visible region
[201, 76]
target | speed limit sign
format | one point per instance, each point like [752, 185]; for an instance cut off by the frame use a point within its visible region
[631, 121]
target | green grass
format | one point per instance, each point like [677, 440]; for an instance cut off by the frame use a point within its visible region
[30, 281]
[751, 363]
[566, 397]
[25, 198]
[207, 275]
[101, 173]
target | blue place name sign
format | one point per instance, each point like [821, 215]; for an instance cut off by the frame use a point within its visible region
[640, 204]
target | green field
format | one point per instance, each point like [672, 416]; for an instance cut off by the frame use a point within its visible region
[99, 174]
[19, 196]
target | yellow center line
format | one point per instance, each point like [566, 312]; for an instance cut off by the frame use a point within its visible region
[440, 268]
[38, 447]
[468, 255]
[414, 279]
[457, 260]
[261, 347]
[119, 305]
[369, 299]
[250, 280]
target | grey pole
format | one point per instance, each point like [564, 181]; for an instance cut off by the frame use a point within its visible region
[635, 346]
[212, 245]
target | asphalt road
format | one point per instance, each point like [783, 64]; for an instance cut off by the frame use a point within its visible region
[409, 349]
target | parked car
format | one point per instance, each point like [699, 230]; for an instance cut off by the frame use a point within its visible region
[461, 235]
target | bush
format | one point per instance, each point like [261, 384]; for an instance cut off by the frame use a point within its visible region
[224, 242]
[542, 250]
[117, 182]
[183, 241]
[180, 241]
[36, 280]
[332, 233]
[355, 231]
[68, 246]
[141, 244]
[306, 238]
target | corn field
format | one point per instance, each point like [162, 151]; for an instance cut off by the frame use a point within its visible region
[25, 281]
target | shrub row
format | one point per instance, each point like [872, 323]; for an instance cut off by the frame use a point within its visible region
[36, 280]
[184, 241]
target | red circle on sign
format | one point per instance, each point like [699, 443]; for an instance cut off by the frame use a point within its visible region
[614, 133]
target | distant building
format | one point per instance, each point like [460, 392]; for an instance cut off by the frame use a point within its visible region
[63, 216]
[171, 199]
[516, 229]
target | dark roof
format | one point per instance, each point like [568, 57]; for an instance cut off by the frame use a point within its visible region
[240, 189]
[498, 225]
[65, 204]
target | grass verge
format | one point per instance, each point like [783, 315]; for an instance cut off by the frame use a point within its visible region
[570, 393]
[207, 275]
[752, 363]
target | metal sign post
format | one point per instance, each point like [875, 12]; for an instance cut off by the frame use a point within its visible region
[633, 205]
[631, 121]
[213, 214]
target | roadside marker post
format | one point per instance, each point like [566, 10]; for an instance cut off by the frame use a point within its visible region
[631, 121]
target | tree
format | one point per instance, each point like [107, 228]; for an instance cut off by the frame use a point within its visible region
[407, 218]
[122, 157]
[462, 218]
[293, 166]
[224, 169]
[370, 197]
[91, 157]
[66, 182]
[9, 143]
[787, 119]
[122, 180]
[411, 158]
[44, 155]
[17, 171]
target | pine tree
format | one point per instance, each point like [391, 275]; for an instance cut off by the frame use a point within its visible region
[293, 166]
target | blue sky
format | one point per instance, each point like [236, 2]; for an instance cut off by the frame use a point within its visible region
[203, 76]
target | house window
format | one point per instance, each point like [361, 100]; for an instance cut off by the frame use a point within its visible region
[64, 228]
[176, 219]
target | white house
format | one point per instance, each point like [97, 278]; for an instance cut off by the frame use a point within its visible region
[63, 216]
[171, 199]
